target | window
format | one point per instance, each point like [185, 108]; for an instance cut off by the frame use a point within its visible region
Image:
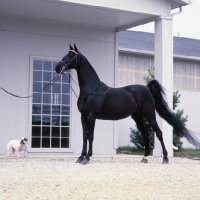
[51, 108]
[133, 69]
[186, 75]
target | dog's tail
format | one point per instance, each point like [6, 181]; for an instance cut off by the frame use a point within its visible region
[164, 111]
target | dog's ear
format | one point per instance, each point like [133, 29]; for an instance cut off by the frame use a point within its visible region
[75, 48]
[26, 139]
[21, 141]
[70, 47]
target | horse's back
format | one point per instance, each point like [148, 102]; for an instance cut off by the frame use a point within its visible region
[122, 102]
[141, 95]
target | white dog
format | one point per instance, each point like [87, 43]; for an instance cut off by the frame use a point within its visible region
[17, 145]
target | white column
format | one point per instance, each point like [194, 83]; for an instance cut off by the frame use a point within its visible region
[115, 123]
[164, 74]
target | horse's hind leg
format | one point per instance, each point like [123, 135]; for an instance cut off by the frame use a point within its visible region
[141, 127]
[153, 123]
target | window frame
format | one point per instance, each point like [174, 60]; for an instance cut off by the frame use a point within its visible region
[71, 138]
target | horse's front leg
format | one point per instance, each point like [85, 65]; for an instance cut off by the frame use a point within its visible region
[90, 133]
[85, 137]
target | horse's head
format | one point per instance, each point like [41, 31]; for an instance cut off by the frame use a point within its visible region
[69, 61]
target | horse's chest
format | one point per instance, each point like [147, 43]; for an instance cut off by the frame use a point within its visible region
[81, 105]
[86, 105]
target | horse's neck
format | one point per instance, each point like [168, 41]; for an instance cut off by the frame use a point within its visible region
[87, 77]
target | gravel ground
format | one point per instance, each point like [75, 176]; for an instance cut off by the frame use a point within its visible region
[103, 178]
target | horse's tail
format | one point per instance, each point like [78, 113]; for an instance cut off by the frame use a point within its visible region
[164, 111]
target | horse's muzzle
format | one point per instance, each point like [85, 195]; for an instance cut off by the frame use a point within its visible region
[58, 69]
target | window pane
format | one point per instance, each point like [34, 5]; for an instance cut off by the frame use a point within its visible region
[65, 110]
[56, 98]
[56, 120]
[37, 98]
[58, 80]
[46, 98]
[45, 142]
[47, 65]
[56, 88]
[36, 109]
[36, 120]
[47, 76]
[54, 65]
[66, 88]
[65, 132]
[36, 131]
[65, 78]
[47, 87]
[55, 131]
[65, 121]
[35, 143]
[65, 99]
[46, 131]
[46, 109]
[55, 142]
[37, 64]
[45, 120]
[133, 69]
[56, 110]
[184, 75]
[37, 76]
[64, 142]
[37, 86]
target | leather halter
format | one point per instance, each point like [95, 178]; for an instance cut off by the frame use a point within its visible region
[73, 51]
[65, 65]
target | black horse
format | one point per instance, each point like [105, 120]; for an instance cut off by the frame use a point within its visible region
[98, 101]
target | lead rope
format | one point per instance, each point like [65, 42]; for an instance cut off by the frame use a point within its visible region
[70, 85]
[65, 67]
[47, 86]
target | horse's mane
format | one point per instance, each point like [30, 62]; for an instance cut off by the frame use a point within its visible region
[85, 64]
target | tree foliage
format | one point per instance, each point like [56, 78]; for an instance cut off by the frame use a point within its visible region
[136, 137]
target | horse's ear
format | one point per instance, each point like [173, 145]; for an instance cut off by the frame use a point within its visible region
[70, 47]
[75, 48]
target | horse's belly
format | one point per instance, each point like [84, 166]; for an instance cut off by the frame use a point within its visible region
[117, 112]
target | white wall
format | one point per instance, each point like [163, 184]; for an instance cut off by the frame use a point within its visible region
[21, 38]
[124, 126]
[189, 101]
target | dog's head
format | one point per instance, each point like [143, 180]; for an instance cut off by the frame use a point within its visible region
[23, 140]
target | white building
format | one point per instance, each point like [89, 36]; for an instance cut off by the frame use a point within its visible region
[136, 56]
[35, 34]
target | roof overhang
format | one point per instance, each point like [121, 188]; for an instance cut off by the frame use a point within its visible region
[110, 14]
[179, 3]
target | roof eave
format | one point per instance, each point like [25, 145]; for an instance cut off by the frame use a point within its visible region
[179, 3]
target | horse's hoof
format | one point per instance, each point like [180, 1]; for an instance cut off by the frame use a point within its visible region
[144, 160]
[165, 161]
[79, 160]
[85, 161]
